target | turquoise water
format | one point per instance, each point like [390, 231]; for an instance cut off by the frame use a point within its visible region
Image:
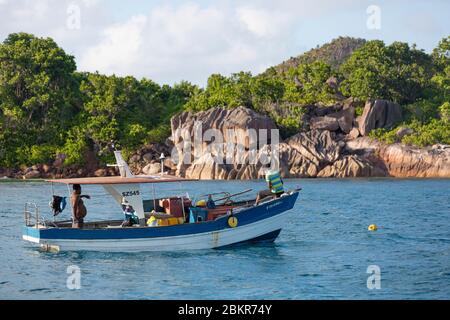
[322, 253]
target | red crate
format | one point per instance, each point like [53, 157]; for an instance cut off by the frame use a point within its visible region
[174, 207]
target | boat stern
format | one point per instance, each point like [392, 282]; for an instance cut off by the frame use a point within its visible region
[31, 234]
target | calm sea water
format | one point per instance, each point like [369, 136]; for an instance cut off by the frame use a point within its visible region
[322, 253]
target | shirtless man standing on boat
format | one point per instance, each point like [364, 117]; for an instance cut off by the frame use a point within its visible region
[78, 208]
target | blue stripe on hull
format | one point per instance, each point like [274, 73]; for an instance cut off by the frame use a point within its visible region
[247, 216]
[268, 237]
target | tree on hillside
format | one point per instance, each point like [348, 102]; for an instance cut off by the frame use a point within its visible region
[441, 54]
[307, 84]
[396, 72]
[117, 109]
[221, 91]
[38, 96]
[123, 110]
[441, 80]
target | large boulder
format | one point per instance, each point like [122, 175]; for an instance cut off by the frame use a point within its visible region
[221, 119]
[207, 168]
[140, 161]
[379, 114]
[345, 119]
[32, 174]
[314, 153]
[317, 146]
[302, 155]
[353, 134]
[351, 166]
[405, 161]
[100, 172]
[233, 126]
[152, 168]
[307, 153]
[324, 123]
[59, 161]
[342, 119]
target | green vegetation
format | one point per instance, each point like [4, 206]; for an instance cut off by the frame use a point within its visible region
[435, 131]
[396, 72]
[48, 108]
[282, 97]
[428, 110]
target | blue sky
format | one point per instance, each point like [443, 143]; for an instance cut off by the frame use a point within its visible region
[170, 41]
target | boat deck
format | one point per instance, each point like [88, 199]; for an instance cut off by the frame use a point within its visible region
[212, 214]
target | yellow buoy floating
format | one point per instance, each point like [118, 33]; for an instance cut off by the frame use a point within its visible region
[372, 227]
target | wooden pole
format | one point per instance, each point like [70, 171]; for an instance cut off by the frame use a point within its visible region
[154, 197]
[71, 207]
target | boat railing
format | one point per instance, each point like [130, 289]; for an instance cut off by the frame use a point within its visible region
[31, 215]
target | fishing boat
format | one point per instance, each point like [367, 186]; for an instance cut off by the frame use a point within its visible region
[161, 224]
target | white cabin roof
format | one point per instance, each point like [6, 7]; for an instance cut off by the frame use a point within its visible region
[121, 180]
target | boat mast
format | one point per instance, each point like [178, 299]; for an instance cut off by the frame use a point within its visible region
[124, 170]
[130, 192]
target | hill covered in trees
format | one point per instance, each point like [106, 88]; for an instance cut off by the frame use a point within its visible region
[334, 53]
[49, 110]
[401, 73]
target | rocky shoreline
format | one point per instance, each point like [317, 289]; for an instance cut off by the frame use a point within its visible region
[333, 144]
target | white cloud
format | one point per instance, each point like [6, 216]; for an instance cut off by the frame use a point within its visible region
[263, 22]
[168, 42]
[190, 42]
[119, 50]
[48, 18]
[91, 3]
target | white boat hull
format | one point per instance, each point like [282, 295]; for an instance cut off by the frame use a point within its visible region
[206, 240]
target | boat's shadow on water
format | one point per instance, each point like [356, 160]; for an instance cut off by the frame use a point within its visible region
[256, 249]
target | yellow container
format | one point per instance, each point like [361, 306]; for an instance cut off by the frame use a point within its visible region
[153, 222]
[163, 222]
[174, 221]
